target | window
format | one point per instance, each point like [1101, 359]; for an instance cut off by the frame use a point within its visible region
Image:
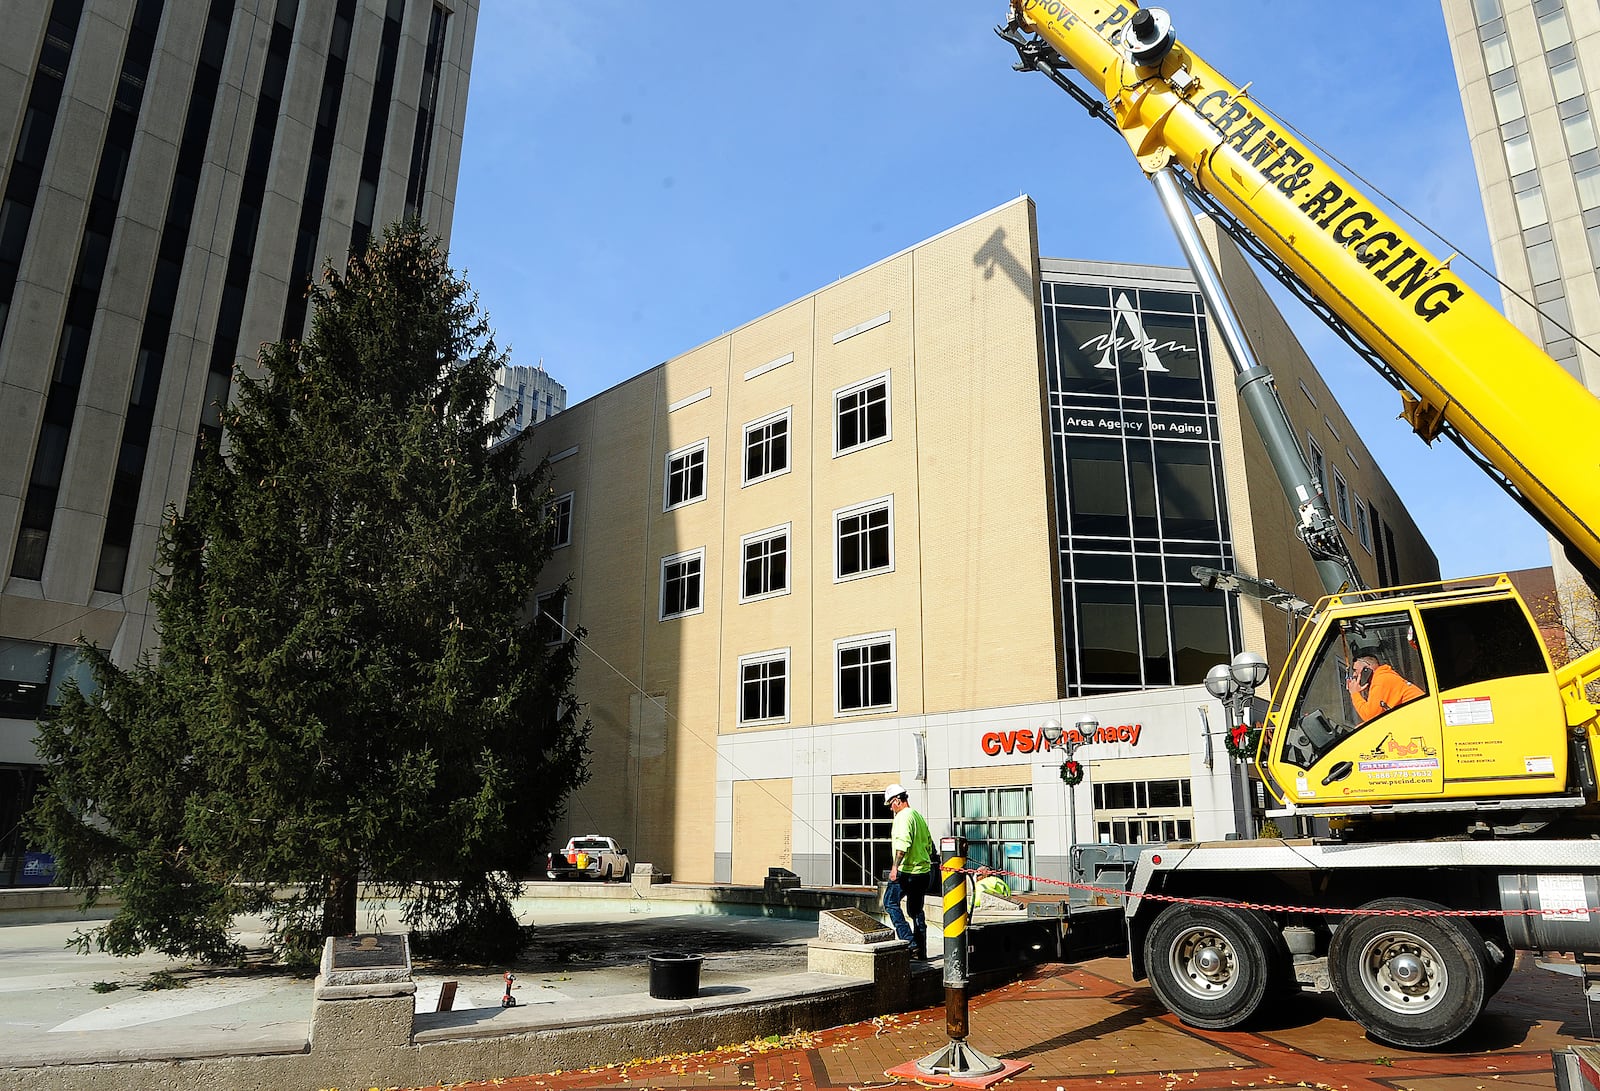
[1108, 636]
[764, 687]
[1508, 103]
[1097, 487]
[552, 608]
[24, 678]
[1553, 29]
[1497, 54]
[1137, 798]
[1142, 795]
[32, 676]
[1531, 211]
[766, 448]
[998, 826]
[1543, 265]
[1519, 154]
[1363, 532]
[686, 476]
[864, 539]
[560, 515]
[1587, 176]
[1566, 80]
[765, 564]
[70, 665]
[1319, 465]
[681, 591]
[1325, 715]
[862, 826]
[1478, 642]
[1187, 490]
[1341, 493]
[1579, 133]
[864, 673]
[861, 415]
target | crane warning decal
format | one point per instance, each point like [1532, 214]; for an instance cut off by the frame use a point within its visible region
[1373, 240]
[1462, 711]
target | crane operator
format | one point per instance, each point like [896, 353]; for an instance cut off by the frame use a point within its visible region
[1375, 687]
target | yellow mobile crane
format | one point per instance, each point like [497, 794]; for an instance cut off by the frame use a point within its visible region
[1471, 790]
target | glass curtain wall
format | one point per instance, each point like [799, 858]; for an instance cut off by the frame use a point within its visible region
[1139, 487]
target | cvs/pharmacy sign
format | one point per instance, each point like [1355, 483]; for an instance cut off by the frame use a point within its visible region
[1032, 741]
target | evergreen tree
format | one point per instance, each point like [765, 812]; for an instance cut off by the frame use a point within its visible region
[352, 685]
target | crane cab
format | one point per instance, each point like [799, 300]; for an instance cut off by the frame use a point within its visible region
[1433, 694]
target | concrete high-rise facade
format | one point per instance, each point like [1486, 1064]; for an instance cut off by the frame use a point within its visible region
[1529, 72]
[530, 394]
[175, 172]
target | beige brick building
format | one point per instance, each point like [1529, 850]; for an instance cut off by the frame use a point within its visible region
[886, 531]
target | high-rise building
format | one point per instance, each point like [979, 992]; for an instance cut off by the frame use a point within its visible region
[529, 394]
[175, 172]
[888, 531]
[1529, 72]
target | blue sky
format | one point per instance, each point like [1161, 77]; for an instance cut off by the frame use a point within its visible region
[637, 180]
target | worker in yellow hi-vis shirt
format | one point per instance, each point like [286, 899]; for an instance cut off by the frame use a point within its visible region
[908, 878]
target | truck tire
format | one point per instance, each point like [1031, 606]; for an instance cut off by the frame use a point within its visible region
[1212, 966]
[1411, 981]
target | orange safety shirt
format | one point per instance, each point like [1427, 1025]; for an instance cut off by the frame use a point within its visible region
[1384, 691]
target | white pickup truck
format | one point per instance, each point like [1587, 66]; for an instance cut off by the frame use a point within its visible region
[590, 856]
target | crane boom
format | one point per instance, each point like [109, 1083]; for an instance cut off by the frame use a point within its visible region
[1464, 367]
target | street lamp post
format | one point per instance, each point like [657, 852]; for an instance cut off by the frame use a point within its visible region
[1083, 730]
[1235, 684]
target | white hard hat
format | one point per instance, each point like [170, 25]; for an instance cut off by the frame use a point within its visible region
[894, 791]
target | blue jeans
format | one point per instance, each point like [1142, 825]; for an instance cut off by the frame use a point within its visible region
[911, 887]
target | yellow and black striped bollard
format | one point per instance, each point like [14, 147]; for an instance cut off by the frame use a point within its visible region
[957, 1058]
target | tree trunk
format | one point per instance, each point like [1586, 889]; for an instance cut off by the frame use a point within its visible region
[339, 906]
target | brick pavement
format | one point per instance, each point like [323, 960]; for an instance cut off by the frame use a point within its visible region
[1090, 1028]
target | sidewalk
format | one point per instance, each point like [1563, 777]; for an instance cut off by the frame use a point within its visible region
[51, 1012]
[1090, 1027]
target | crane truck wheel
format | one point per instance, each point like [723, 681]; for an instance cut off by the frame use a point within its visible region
[1212, 966]
[1411, 981]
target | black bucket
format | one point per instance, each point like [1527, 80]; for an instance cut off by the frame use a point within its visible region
[674, 975]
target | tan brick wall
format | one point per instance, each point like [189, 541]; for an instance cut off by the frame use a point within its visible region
[863, 782]
[991, 776]
[985, 486]
[762, 828]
